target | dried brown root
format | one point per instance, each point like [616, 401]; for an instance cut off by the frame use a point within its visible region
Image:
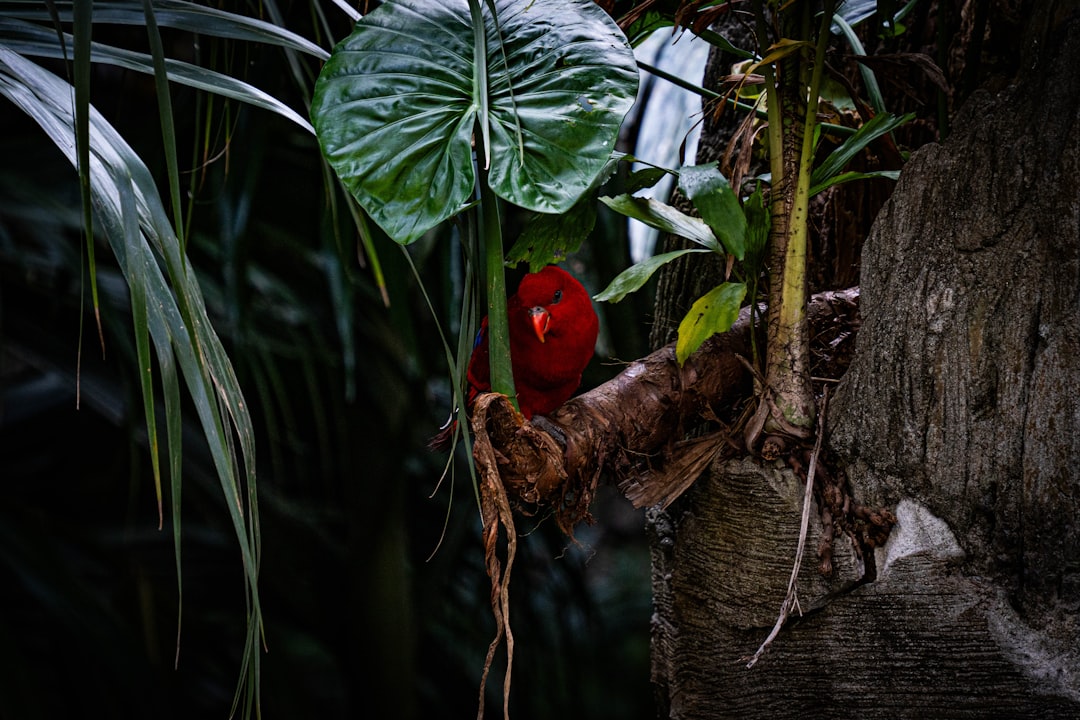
[840, 512]
[496, 512]
[791, 598]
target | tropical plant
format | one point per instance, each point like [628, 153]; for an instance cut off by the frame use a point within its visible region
[537, 92]
[792, 75]
[174, 275]
[45, 72]
[431, 111]
[252, 272]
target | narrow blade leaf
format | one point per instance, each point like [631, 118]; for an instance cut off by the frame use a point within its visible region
[879, 125]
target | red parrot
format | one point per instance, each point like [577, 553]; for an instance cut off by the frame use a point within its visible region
[553, 329]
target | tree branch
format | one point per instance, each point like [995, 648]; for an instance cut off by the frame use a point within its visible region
[633, 428]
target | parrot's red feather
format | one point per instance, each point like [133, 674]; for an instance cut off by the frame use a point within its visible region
[547, 371]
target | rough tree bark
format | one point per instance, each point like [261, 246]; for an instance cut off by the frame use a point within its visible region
[960, 413]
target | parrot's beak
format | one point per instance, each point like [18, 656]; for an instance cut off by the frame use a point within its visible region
[540, 319]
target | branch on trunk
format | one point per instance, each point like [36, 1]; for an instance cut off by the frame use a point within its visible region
[631, 428]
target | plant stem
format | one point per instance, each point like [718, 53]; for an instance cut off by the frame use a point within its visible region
[490, 225]
[787, 403]
[490, 228]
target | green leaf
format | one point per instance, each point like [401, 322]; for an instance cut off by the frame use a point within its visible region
[879, 125]
[395, 107]
[853, 12]
[645, 178]
[568, 78]
[849, 176]
[83, 28]
[719, 41]
[174, 313]
[634, 277]
[873, 90]
[547, 239]
[646, 24]
[757, 230]
[653, 20]
[711, 194]
[165, 113]
[714, 312]
[137, 293]
[664, 218]
[198, 19]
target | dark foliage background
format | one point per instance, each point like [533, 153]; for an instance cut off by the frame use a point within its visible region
[362, 613]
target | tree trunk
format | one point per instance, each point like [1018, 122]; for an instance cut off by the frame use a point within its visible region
[959, 413]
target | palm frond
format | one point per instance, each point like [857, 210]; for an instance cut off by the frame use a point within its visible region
[32, 40]
[169, 311]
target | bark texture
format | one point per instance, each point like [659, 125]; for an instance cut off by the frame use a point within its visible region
[960, 412]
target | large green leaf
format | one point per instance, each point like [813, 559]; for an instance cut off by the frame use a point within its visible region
[713, 197]
[395, 106]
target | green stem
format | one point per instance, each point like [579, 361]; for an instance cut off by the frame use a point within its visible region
[787, 404]
[798, 229]
[796, 402]
[775, 129]
[502, 376]
[806, 157]
[490, 226]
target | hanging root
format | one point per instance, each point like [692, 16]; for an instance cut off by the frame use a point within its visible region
[496, 513]
[868, 528]
[791, 599]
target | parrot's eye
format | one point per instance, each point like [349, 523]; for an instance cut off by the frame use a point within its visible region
[557, 298]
